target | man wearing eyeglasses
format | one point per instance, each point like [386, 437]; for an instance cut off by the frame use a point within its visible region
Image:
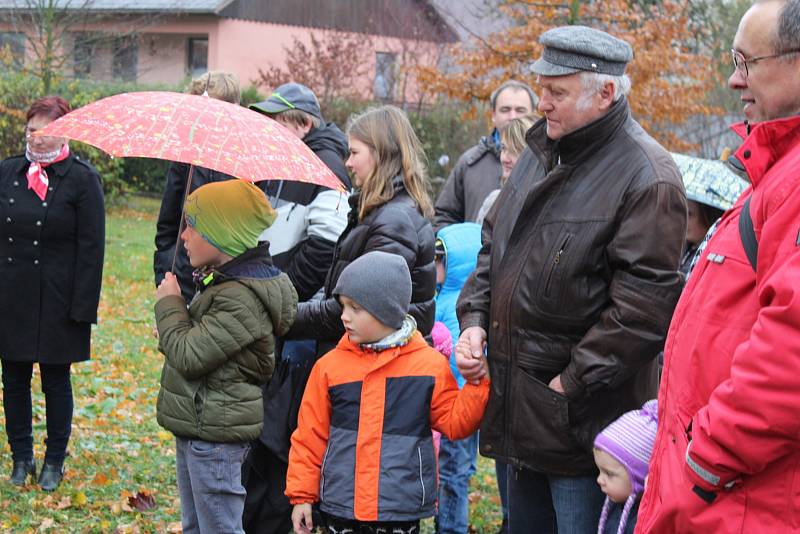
[727, 453]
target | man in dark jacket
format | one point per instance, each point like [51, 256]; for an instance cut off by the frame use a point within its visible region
[302, 242]
[477, 172]
[575, 284]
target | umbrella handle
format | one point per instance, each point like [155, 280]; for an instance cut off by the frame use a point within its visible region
[183, 218]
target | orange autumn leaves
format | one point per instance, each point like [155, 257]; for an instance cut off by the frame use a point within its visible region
[670, 77]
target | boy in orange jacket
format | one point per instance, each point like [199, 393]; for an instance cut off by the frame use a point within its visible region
[363, 447]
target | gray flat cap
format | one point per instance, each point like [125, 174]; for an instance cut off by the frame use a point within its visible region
[571, 49]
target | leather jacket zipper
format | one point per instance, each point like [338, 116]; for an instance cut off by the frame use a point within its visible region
[556, 261]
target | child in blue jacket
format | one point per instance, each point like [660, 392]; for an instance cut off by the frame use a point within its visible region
[457, 249]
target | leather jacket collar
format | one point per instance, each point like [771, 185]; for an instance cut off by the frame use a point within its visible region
[576, 146]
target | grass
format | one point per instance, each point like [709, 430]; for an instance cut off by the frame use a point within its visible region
[120, 475]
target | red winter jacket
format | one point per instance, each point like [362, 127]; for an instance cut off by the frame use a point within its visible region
[727, 453]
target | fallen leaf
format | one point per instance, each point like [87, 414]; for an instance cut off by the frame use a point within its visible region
[163, 435]
[174, 528]
[64, 503]
[142, 501]
[80, 499]
[100, 479]
[46, 524]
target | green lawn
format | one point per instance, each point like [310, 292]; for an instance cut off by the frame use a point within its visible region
[120, 475]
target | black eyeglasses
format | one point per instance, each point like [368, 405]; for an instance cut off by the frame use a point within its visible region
[740, 62]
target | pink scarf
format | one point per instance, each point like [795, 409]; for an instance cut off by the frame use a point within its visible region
[37, 177]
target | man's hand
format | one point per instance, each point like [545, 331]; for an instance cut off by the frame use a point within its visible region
[301, 519]
[555, 384]
[168, 286]
[469, 354]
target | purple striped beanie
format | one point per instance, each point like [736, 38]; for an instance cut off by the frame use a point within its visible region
[630, 440]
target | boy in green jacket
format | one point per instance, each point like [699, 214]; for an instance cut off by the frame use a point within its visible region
[220, 350]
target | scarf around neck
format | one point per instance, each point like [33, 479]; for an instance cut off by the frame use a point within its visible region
[37, 177]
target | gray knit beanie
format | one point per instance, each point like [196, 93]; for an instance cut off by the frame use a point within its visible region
[380, 283]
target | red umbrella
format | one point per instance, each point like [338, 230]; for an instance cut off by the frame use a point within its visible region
[197, 130]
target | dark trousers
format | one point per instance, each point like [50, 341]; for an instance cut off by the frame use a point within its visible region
[336, 525]
[551, 504]
[19, 412]
[266, 508]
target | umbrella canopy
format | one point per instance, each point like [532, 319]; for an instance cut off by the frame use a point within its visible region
[196, 130]
[710, 181]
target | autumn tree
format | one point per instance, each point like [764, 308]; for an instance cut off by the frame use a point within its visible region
[671, 76]
[332, 64]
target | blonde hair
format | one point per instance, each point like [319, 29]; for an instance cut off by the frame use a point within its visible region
[396, 149]
[512, 134]
[220, 85]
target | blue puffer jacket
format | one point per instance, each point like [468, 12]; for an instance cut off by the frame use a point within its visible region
[461, 244]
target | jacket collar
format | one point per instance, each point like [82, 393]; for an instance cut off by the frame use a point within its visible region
[354, 200]
[59, 169]
[252, 263]
[416, 342]
[766, 143]
[578, 145]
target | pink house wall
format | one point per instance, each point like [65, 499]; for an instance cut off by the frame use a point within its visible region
[243, 47]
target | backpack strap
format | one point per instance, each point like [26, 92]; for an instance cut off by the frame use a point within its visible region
[748, 235]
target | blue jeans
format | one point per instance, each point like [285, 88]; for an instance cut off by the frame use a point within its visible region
[501, 471]
[546, 504]
[456, 467]
[210, 485]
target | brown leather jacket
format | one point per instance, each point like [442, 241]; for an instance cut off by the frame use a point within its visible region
[578, 276]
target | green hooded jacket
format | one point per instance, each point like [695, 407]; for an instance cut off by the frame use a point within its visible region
[220, 351]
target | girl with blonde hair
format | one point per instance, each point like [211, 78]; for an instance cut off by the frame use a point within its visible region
[389, 211]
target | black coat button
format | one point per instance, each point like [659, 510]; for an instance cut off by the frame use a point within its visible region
[38, 223]
[16, 183]
[35, 243]
[36, 262]
[44, 204]
[10, 200]
[10, 239]
[10, 260]
[8, 220]
[746, 154]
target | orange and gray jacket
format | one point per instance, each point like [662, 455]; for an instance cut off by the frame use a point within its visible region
[363, 446]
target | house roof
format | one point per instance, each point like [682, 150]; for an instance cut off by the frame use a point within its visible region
[409, 19]
[127, 6]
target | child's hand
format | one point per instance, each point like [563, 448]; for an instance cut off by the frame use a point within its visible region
[168, 286]
[301, 519]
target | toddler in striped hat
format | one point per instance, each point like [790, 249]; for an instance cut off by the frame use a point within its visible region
[622, 454]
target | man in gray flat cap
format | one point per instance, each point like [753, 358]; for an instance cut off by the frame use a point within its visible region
[575, 284]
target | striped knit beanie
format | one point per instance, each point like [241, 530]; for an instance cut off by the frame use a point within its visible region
[630, 440]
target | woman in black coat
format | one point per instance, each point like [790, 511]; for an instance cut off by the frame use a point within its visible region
[51, 250]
